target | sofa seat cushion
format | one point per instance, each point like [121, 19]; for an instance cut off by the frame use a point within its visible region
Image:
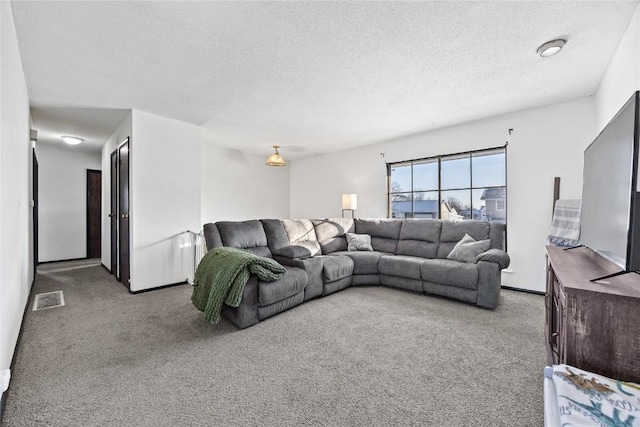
[293, 282]
[401, 266]
[336, 267]
[364, 262]
[450, 272]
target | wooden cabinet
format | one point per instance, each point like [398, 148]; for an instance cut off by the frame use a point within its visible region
[593, 326]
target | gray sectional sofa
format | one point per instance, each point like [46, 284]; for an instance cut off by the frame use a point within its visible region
[409, 254]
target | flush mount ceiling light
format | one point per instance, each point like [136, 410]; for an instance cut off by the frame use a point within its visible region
[276, 159]
[551, 48]
[72, 140]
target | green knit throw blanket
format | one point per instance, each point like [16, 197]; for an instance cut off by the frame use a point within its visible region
[221, 276]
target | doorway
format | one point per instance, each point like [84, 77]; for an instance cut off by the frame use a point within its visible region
[94, 204]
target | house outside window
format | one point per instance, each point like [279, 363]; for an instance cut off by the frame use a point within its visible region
[462, 186]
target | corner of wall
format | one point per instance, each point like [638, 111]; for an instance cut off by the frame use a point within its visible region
[15, 183]
[622, 77]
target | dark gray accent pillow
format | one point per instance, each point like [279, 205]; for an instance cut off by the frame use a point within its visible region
[467, 249]
[358, 242]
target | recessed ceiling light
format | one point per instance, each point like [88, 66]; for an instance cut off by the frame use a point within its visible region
[72, 140]
[551, 48]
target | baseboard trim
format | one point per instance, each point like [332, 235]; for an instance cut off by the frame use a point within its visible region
[526, 291]
[186, 282]
[106, 268]
[5, 395]
[62, 260]
[3, 403]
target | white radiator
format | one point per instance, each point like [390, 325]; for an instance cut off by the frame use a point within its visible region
[193, 250]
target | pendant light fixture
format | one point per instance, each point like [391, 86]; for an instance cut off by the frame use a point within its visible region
[276, 159]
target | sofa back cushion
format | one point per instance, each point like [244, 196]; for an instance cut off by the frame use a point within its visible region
[330, 233]
[453, 232]
[496, 235]
[419, 237]
[212, 236]
[276, 236]
[384, 233]
[302, 233]
[247, 235]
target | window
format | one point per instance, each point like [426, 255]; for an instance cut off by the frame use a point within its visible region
[471, 185]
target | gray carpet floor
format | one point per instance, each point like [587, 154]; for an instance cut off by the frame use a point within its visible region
[368, 356]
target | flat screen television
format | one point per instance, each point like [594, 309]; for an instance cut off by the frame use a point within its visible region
[610, 219]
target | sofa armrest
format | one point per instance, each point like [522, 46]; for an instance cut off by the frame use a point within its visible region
[495, 255]
[246, 314]
[292, 252]
[313, 267]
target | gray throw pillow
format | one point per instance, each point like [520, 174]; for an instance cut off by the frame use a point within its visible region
[467, 249]
[358, 242]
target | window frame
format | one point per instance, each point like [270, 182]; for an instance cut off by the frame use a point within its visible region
[440, 190]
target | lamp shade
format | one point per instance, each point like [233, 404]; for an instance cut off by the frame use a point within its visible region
[350, 201]
[276, 159]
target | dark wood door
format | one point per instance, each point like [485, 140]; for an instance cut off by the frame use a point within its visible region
[35, 211]
[123, 211]
[94, 205]
[113, 213]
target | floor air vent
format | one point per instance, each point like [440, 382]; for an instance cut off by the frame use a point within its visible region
[48, 300]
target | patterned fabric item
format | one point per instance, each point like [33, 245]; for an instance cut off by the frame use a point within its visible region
[565, 226]
[221, 276]
[587, 399]
[358, 242]
[468, 248]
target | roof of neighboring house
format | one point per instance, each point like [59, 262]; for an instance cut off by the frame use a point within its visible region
[494, 193]
[475, 212]
[420, 206]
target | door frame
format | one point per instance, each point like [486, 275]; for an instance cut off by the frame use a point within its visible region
[113, 214]
[34, 208]
[124, 219]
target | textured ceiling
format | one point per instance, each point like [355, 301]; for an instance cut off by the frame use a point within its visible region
[315, 76]
[94, 125]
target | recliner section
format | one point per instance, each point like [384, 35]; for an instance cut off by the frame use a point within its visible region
[260, 299]
[408, 254]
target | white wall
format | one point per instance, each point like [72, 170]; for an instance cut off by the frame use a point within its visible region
[622, 77]
[165, 198]
[62, 202]
[546, 142]
[121, 133]
[238, 186]
[16, 250]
